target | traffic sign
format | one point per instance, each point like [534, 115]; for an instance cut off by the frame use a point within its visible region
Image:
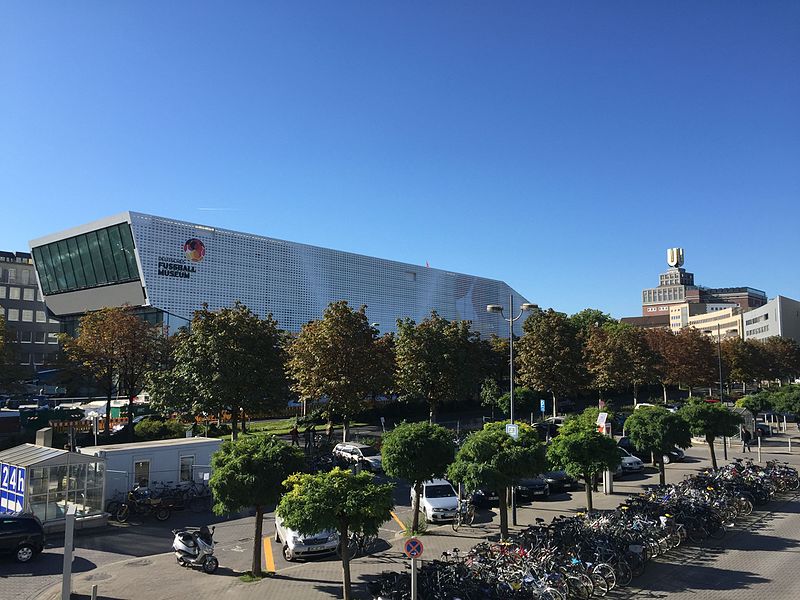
[413, 548]
[512, 429]
[541, 405]
[601, 419]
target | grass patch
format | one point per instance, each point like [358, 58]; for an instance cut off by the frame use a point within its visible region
[422, 527]
[284, 426]
[249, 577]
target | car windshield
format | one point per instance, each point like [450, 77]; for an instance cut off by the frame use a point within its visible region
[370, 451]
[439, 491]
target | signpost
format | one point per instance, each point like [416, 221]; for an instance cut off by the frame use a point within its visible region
[512, 429]
[12, 488]
[541, 407]
[413, 549]
[608, 477]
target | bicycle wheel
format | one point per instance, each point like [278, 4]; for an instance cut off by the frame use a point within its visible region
[600, 585]
[623, 573]
[123, 512]
[456, 522]
[606, 571]
[112, 507]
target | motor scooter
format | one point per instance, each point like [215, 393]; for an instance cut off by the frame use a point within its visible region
[195, 548]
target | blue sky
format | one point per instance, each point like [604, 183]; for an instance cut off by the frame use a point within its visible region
[559, 146]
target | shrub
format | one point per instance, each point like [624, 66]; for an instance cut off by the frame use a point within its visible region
[151, 429]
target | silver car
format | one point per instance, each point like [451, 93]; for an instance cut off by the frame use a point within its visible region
[304, 546]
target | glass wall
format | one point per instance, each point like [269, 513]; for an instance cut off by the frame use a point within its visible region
[53, 489]
[101, 257]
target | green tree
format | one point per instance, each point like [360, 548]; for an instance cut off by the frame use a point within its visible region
[782, 356]
[417, 452]
[642, 361]
[695, 359]
[526, 401]
[606, 359]
[589, 319]
[550, 355]
[490, 394]
[250, 472]
[337, 500]
[585, 421]
[744, 360]
[666, 354]
[657, 430]
[438, 361]
[583, 453]
[230, 359]
[491, 458]
[756, 403]
[710, 420]
[339, 357]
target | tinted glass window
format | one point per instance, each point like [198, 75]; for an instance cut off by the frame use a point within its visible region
[439, 491]
[101, 257]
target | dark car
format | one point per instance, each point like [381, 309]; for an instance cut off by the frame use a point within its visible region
[532, 488]
[559, 481]
[21, 536]
[674, 455]
[485, 498]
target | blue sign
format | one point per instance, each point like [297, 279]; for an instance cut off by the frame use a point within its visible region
[512, 430]
[12, 488]
[541, 405]
[413, 548]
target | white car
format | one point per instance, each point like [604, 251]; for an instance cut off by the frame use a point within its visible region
[353, 453]
[629, 463]
[304, 546]
[438, 501]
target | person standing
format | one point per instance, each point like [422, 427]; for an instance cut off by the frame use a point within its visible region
[307, 437]
[746, 437]
[295, 433]
[329, 431]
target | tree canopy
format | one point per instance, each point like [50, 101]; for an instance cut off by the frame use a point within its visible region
[250, 472]
[336, 500]
[339, 358]
[490, 458]
[710, 420]
[417, 452]
[657, 430]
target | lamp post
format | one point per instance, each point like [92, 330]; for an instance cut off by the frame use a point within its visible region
[95, 417]
[496, 308]
[719, 362]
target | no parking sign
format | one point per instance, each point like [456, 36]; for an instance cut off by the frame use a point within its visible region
[413, 548]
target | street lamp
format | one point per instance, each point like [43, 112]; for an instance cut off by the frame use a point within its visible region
[719, 360]
[95, 417]
[496, 308]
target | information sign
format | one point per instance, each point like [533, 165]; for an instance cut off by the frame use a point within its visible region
[12, 488]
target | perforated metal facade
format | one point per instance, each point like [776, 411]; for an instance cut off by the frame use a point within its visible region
[184, 265]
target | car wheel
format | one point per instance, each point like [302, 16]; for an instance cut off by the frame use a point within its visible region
[287, 554]
[24, 553]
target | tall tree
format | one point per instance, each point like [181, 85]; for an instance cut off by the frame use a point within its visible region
[337, 500]
[583, 453]
[491, 458]
[696, 358]
[417, 452]
[744, 360]
[606, 358]
[782, 358]
[710, 420]
[657, 430]
[232, 359]
[642, 362]
[589, 319]
[438, 361]
[490, 394]
[338, 357]
[666, 354]
[250, 472]
[550, 355]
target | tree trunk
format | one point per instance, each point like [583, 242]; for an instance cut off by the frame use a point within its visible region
[635, 401]
[664, 387]
[244, 423]
[415, 508]
[345, 428]
[345, 551]
[130, 418]
[432, 412]
[503, 509]
[256, 566]
[588, 479]
[744, 389]
[690, 391]
[234, 423]
[662, 476]
[710, 442]
[555, 414]
[107, 432]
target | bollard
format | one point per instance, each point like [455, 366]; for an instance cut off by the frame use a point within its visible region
[759, 448]
[790, 444]
[94, 592]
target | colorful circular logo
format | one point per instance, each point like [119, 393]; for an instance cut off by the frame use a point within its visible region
[194, 250]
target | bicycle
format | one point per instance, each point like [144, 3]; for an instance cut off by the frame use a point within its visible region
[465, 514]
[359, 544]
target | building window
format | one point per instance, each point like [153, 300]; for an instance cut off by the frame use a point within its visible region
[26, 277]
[40, 337]
[187, 469]
[13, 314]
[25, 337]
[52, 338]
[12, 276]
[41, 317]
[27, 316]
[28, 294]
[2, 291]
[141, 473]
[13, 293]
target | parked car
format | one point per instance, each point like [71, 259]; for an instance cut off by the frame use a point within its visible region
[485, 498]
[674, 455]
[353, 453]
[629, 463]
[532, 488]
[438, 501]
[559, 481]
[21, 536]
[304, 546]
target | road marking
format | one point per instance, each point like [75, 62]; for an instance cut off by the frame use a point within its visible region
[397, 520]
[268, 559]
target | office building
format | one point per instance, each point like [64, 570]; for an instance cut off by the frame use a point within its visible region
[24, 310]
[778, 317]
[720, 324]
[168, 269]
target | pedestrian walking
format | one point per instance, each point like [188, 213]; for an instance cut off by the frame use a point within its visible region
[295, 433]
[746, 437]
[307, 437]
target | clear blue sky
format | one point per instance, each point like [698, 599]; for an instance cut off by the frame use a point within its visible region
[559, 146]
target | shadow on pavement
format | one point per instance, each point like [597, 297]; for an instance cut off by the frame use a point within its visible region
[47, 563]
[699, 577]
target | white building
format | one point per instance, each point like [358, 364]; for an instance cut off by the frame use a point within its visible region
[170, 268]
[778, 317]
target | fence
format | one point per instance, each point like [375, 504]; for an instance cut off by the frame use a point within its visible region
[85, 425]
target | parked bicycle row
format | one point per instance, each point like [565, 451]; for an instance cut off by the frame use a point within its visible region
[159, 500]
[586, 556]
